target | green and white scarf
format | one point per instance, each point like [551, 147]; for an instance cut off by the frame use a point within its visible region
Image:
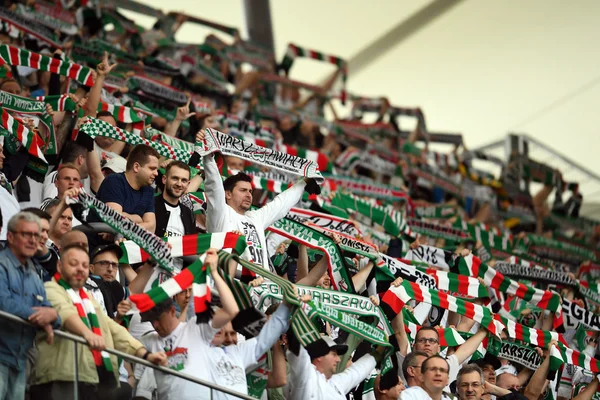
[16, 56]
[216, 141]
[87, 313]
[94, 127]
[29, 26]
[49, 21]
[151, 243]
[340, 279]
[27, 106]
[29, 139]
[187, 245]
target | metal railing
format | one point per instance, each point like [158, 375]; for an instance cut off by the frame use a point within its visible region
[78, 339]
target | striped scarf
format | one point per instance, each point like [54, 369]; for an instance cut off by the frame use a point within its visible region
[327, 221]
[196, 275]
[437, 231]
[125, 115]
[29, 26]
[391, 220]
[29, 139]
[157, 136]
[157, 248]
[490, 238]
[294, 52]
[87, 313]
[216, 141]
[366, 187]
[187, 245]
[396, 297]
[269, 185]
[435, 211]
[472, 266]
[322, 161]
[24, 106]
[340, 279]
[15, 56]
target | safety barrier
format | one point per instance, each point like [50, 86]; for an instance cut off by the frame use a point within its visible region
[78, 339]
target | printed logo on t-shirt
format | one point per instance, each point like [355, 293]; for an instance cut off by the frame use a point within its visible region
[232, 374]
[253, 242]
[177, 358]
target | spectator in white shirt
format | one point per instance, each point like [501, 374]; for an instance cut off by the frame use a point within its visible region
[195, 348]
[313, 370]
[435, 371]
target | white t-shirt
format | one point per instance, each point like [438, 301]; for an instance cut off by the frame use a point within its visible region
[10, 207]
[417, 393]
[189, 351]
[175, 225]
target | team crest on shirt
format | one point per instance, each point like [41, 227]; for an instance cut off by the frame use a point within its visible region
[177, 358]
[232, 373]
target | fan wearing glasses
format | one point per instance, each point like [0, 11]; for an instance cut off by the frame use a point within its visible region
[428, 341]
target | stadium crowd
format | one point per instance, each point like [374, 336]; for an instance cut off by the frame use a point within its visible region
[192, 205]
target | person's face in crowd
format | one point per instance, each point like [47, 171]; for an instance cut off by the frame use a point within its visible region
[105, 265]
[74, 237]
[148, 172]
[183, 298]
[24, 241]
[82, 166]
[43, 236]
[229, 335]
[435, 374]
[104, 142]
[65, 223]
[12, 87]
[165, 324]
[469, 386]
[508, 381]
[489, 374]
[391, 393]
[210, 122]
[176, 182]
[427, 341]
[327, 364]
[67, 178]
[324, 281]
[74, 267]
[240, 198]
[235, 163]
[416, 369]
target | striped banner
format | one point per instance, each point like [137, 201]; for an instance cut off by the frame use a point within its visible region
[15, 56]
[187, 245]
[29, 139]
[472, 266]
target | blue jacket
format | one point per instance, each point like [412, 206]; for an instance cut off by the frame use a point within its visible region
[21, 289]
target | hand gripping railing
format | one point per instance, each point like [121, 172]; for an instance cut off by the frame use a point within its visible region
[78, 339]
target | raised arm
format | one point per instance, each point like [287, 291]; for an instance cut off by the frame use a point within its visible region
[103, 69]
[229, 308]
[589, 391]
[536, 384]
[182, 114]
[281, 204]
[470, 346]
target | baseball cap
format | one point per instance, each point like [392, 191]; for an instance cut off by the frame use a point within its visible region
[107, 247]
[116, 165]
[487, 359]
[155, 312]
[325, 345]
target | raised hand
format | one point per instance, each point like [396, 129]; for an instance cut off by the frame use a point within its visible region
[183, 112]
[104, 67]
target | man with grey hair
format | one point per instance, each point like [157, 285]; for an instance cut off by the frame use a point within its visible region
[22, 294]
[470, 383]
